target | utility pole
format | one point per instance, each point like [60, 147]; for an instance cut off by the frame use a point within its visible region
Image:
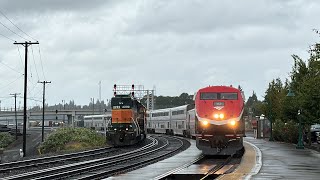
[63, 103]
[43, 104]
[92, 106]
[100, 97]
[26, 45]
[92, 112]
[15, 111]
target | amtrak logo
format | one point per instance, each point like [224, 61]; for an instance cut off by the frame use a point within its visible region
[218, 107]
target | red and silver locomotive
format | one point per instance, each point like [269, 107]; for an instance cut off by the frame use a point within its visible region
[219, 122]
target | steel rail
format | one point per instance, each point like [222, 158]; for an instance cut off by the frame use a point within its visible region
[80, 165]
[123, 167]
[52, 159]
[216, 168]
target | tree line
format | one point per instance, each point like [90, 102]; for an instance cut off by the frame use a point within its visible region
[303, 84]
[161, 102]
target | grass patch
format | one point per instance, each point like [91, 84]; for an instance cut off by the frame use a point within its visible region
[72, 139]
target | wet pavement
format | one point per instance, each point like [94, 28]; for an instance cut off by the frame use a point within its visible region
[284, 161]
[164, 167]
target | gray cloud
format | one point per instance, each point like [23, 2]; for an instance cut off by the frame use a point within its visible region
[178, 46]
[43, 6]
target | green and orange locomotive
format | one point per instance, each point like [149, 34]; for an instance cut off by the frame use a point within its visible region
[128, 122]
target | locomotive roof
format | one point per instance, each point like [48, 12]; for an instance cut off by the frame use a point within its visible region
[219, 89]
[122, 96]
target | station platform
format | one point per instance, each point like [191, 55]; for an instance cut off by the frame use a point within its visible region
[166, 166]
[262, 160]
[278, 160]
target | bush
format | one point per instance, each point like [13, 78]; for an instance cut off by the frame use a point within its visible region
[5, 139]
[287, 132]
[71, 139]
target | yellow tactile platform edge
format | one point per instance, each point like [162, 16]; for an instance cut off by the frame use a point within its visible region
[246, 166]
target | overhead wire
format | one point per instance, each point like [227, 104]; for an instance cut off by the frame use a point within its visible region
[13, 31]
[10, 68]
[34, 62]
[5, 97]
[41, 63]
[17, 26]
[7, 85]
[21, 61]
[31, 98]
[6, 37]
[30, 90]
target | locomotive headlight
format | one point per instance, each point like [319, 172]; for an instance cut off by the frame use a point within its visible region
[221, 116]
[126, 129]
[205, 123]
[232, 123]
[216, 116]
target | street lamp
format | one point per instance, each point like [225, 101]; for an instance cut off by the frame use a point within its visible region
[300, 140]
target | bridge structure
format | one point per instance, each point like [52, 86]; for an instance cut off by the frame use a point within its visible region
[68, 116]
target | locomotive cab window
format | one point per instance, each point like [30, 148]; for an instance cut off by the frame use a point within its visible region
[121, 103]
[216, 96]
[208, 96]
[229, 96]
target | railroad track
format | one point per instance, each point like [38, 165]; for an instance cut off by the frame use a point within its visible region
[219, 166]
[43, 161]
[216, 168]
[160, 147]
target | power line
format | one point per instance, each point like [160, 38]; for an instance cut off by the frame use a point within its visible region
[11, 82]
[6, 97]
[41, 62]
[20, 57]
[34, 62]
[6, 37]
[30, 98]
[16, 26]
[10, 67]
[12, 31]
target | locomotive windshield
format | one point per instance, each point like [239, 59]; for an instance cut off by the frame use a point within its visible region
[221, 96]
[121, 103]
[229, 96]
[208, 96]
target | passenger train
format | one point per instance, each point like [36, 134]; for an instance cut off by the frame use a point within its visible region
[215, 120]
[96, 122]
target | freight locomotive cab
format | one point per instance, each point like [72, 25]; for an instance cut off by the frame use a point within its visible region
[219, 122]
[127, 122]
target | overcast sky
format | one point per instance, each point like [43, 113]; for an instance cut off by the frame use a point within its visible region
[177, 45]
